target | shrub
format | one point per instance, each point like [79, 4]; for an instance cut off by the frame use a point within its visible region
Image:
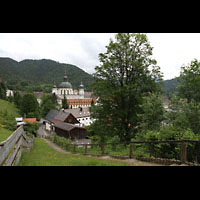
[113, 141]
[31, 127]
[168, 150]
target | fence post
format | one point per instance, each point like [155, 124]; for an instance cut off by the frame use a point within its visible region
[131, 150]
[74, 148]
[85, 148]
[102, 149]
[183, 152]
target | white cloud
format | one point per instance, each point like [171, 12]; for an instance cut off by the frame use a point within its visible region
[171, 50]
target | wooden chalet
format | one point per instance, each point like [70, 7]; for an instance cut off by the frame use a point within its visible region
[68, 130]
[64, 124]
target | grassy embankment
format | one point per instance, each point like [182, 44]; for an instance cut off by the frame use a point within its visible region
[8, 112]
[43, 155]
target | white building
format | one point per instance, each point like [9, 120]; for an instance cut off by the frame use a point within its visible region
[65, 88]
[9, 93]
[75, 98]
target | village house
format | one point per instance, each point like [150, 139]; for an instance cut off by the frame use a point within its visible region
[24, 121]
[64, 124]
[9, 93]
[82, 115]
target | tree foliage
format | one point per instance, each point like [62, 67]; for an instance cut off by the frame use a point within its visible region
[64, 103]
[17, 99]
[30, 106]
[2, 91]
[189, 81]
[127, 72]
[153, 112]
[41, 75]
[48, 103]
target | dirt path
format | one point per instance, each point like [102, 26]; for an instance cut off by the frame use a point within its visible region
[41, 131]
[55, 147]
[132, 162]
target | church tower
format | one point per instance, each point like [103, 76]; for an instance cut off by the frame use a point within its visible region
[54, 89]
[81, 90]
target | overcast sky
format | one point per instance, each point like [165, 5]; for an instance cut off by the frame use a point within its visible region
[171, 50]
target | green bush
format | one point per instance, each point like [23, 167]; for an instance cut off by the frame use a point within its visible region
[31, 127]
[61, 141]
[94, 139]
[168, 150]
[113, 142]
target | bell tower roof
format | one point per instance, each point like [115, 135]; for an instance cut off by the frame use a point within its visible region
[65, 83]
[81, 85]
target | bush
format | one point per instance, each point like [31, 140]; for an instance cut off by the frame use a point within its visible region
[94, 139]
[61, 141]
[31, 127]
[113, 141]
[169, 150]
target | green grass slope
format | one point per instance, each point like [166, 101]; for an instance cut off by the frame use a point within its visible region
[8, 113]
[43, 155]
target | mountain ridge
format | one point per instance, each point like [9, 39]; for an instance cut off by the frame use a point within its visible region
[30, 74]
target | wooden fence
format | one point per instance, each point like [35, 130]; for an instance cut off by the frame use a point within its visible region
[182, 158]
[11, 149]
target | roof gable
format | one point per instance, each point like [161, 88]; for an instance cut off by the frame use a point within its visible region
[61, 116]
[51, 115]
[66, 126]
[78, 113]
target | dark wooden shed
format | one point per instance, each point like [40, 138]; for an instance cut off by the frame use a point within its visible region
[71, 131]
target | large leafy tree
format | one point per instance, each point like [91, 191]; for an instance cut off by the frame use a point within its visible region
[30, 106]
[153, 112]
[189, 94]
[48, 103]
[126, 74]
[189, 81]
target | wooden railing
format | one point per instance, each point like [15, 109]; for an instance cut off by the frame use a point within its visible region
[181, 160]
[11, 149]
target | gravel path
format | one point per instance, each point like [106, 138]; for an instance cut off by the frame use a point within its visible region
[132, 162]
[41, 131]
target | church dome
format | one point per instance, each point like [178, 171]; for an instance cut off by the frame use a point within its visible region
[65, 85]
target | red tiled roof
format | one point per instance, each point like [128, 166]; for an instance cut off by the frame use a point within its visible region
[80, 101]
[31, 120]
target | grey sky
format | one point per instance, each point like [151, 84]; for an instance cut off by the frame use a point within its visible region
[171, 50]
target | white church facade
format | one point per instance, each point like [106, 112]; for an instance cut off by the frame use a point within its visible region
[75, 98]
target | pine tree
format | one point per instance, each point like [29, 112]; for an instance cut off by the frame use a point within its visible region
[64, 103]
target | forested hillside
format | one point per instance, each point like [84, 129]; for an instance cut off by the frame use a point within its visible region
[40, 75]
[170, 86]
